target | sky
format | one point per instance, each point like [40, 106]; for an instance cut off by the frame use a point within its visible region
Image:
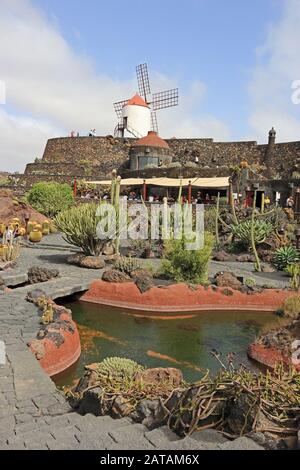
[64, 63]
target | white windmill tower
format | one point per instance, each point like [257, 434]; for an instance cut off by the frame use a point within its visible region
[137, 116]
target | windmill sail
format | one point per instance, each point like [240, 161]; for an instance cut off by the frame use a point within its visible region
[165, 99]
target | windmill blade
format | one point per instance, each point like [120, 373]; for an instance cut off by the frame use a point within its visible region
[154, 125]
[165, 99]
[119, 106]
[143, 80]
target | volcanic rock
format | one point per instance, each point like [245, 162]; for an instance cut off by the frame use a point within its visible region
[227, 279]
[112, 275]
[92, 262]
[37, 274]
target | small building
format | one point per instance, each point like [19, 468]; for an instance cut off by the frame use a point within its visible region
[150, 152]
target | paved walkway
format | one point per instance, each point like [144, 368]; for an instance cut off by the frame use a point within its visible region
[33, 413]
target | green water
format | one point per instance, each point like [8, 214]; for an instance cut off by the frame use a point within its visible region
[186, 340]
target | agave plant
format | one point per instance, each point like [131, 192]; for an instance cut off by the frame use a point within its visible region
[285, 256]
[262, 230]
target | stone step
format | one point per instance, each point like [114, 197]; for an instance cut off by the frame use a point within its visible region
[160, 436]
[130, 437]
[209, 436]
[241, 443]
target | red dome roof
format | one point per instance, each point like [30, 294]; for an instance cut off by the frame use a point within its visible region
[136, 100]
[152, 140]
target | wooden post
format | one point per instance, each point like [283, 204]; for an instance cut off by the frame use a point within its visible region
[145, 191]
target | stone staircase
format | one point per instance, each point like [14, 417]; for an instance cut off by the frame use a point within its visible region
[74, 432]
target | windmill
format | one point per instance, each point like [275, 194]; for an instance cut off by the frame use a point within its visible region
[138, 114]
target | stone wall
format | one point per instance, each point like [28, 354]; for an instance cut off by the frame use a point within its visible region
[95, 157]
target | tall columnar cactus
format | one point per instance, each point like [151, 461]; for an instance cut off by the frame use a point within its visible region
[253, 245]
[217, 220]
[235, 219]
[116, 204]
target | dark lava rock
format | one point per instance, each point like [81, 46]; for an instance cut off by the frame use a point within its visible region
[37, 274]
[120, 408]
[112, 275]
[92, 262]
[168, 375]
[143, 279]
[245, 258]
[226, 279]
[91, 402]
[221, 256]
[150, 413]
[267, 268]
[265, 255]
[227, 292]
[34, 295]
[75, 259]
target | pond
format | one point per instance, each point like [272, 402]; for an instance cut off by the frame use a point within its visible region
[172, 340]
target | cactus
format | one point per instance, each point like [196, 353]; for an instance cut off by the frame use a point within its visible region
[253, 235]
[294, 271]
[47, 316]
[118, 367]
[79, 227]
[217, 220]
[285, 256]
[262, 230]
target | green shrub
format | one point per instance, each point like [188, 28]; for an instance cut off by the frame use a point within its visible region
[294, 271]
[291, 307]
[262, 230]
[79, 227]
[126, 264]
[284, 256]
[50, 198]
[210, 219]
[184, 265]
[250, 282]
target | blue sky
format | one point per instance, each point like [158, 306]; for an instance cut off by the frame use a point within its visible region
[64, 63]
[213, 41]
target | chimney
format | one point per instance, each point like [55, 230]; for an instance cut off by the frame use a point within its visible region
[272, 136]
[269, 152]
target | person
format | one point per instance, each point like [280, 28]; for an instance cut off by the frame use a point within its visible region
[16, 231]
[196, 159]
[267, 201]
[72, 134]
[199, 198]
[290, 202]
[8, 235]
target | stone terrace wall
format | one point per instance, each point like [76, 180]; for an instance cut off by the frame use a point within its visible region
[95, 157]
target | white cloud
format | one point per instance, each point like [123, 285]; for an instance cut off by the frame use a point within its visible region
[61, 91]
[278, 66]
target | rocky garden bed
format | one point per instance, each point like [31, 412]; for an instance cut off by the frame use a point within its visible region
[235, 402]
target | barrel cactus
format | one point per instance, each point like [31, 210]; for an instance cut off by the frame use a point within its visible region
[118, 367]
[262, 230]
